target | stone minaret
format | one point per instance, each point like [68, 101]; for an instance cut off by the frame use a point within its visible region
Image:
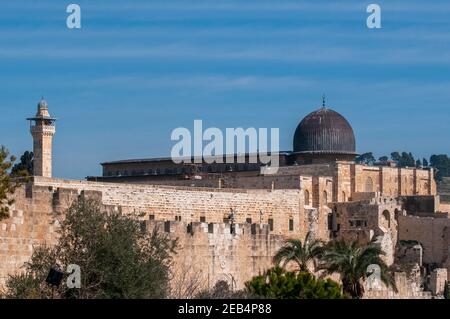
[42, 128]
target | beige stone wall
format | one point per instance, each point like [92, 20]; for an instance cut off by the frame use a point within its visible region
[33, 220]
[367, 178]
[444, 207]
[343, 182]
[407, 289]
[165, 202]
[431, 232]
[211, 252]
[31, 224]
[389, 181]
[394, 181]
[369, 219]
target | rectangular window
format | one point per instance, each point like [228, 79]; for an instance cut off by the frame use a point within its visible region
[248, 220]
[151, 217]
[270, 224]
[330, 221]
[167, 226]
[291, 224]
[202, 219]
[210, 228]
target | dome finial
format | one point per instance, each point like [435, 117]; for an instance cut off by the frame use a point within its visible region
[323, 100]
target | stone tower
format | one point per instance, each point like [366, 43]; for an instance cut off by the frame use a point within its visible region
[42, 128]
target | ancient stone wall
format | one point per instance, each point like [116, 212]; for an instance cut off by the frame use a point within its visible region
[407, 287]
[33, 221]
[368, 219]
[208, 252]
[431, 232]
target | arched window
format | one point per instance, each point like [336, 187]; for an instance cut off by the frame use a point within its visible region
[369, 185]
[344, 197]
[307, 202]
[387, 218]
[325, 198]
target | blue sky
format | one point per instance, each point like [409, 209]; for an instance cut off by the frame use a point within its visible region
[138, 69]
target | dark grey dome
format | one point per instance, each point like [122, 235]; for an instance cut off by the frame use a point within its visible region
[324, 132]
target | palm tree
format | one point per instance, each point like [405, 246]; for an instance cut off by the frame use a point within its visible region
[350, 261]
[300, 253]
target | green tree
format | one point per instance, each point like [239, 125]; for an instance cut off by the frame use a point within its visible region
[442, 165]
[8, 183]
[222, 290]
[383, 159]
[418, 163]
[350, 261]
[117, 259]
[395, 156]
[302, 254]
[30, 284]
[366, 158]
[277, 283]
[425, 162]
[25, 164]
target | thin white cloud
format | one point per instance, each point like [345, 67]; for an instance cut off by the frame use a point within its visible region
[300, 53]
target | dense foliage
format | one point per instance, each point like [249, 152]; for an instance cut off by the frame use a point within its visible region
[278, 283]
[8, 182]
[351, 261]
[25, 164]
[301, 254]
[117, 259]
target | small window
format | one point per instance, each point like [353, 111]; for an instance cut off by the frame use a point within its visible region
[167, 226]
[232, 229]
[306, 198]
[330, 221]
[248, 220]
[291, 224]
[151, 217]
[190, 229]
[270, 221]
[202, 219]
[253, 229]
[325, 198]
[210, 228]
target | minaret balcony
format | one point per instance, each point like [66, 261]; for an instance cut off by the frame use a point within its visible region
[42, 129]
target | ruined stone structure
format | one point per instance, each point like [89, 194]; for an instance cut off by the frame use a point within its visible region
[231, 218]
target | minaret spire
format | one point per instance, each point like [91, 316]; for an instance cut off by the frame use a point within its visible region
[42, 128]
[323, 100]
